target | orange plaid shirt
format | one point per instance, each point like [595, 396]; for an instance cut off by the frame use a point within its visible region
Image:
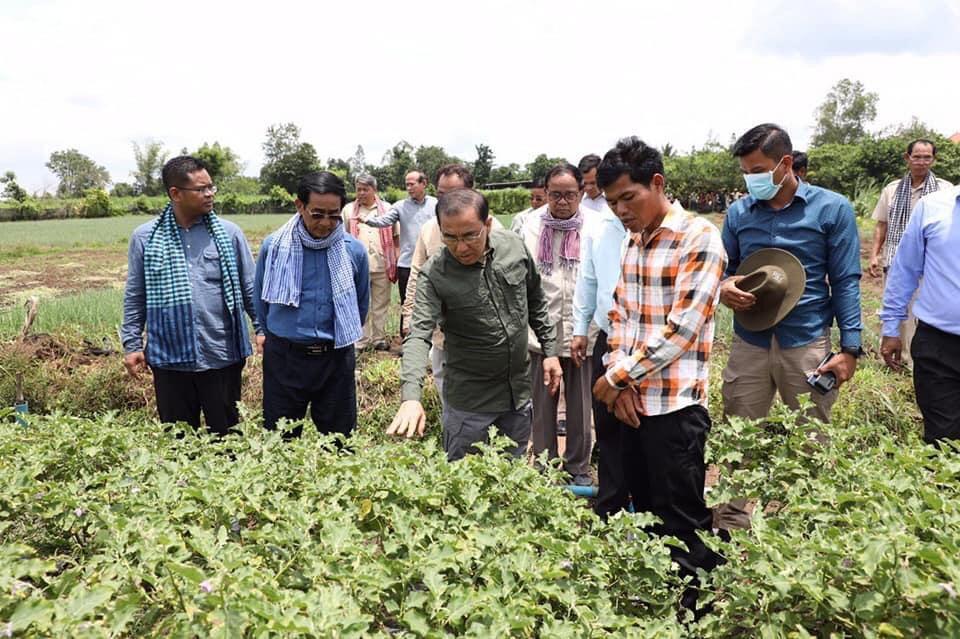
[661, 329]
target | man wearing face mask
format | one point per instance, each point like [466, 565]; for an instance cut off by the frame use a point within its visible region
[818, 227]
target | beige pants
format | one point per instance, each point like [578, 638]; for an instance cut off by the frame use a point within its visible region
[375, 328]
[908, 327]
[752, 378]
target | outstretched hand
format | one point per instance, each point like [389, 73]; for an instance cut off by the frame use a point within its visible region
[410, 420]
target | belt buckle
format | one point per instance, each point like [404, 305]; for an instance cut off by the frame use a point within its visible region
[316, 349]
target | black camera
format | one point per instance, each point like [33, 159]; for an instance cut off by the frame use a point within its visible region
[824, 382]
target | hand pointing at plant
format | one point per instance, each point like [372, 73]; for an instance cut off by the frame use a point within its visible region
[410, 420]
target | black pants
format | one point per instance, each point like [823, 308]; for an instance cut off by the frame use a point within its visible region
[612, 495]
[293, 378]
[664, 469]
[182, 395]
[403, 276]
[936, 381]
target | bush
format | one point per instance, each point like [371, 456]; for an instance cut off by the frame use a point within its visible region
[96, 203]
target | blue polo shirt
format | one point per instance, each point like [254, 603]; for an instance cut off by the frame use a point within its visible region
[819, 227]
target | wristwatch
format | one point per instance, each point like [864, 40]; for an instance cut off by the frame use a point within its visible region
[854, 351]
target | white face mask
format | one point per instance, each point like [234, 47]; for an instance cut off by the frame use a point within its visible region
[761, 186]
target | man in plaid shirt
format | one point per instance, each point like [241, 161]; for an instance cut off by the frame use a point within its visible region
[661, 333]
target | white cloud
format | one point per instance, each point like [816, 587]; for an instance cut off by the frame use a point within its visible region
[563, 78]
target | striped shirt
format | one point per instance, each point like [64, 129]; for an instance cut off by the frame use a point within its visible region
[661, 324]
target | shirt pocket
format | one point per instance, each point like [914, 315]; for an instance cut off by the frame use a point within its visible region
[210, 264]
[514, 279]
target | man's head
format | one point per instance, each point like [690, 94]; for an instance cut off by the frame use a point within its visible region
[451, 177]
[920, 156]
[564, 189]
[366, 189]
[588, 167]
[321, 197]
[765, 149]
[631, 176]
[538, 193]
[416, 183]
[800, 165]
[464, 218]
[188, 185]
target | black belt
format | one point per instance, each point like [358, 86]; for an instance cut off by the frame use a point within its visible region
[316, 348]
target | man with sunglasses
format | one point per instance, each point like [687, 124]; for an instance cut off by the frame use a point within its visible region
[189, 283]
[482, 289]
[312, 293]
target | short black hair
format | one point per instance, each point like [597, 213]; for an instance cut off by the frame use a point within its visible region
[632, 157]
[589, 162]
[321, 182]
[456, 169]
[799, 160]
[423, 176]
[459, 200]
[922, 141]
[538, 183]
[564, 169]
[176, 172]
[770, 138]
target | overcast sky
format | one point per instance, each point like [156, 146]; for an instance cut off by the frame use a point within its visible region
[525, 77]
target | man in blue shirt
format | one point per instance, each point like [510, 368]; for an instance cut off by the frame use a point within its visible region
[189, 281]
[819, 228]
[312, 291]
[928, 257]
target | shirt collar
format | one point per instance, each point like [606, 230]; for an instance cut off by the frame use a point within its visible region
[804, 191]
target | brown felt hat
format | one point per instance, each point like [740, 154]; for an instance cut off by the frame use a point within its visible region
[777, 279]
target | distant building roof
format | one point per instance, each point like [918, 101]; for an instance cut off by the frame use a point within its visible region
[955, 137]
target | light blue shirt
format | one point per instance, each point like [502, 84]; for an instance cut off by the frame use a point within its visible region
[928, 256]
[311, 321]
[211, 319]
[411, 215]
[600, 249]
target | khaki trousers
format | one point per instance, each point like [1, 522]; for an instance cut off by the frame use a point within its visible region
[751, 379]
[578, 392]
[375, 328]
[908, 327]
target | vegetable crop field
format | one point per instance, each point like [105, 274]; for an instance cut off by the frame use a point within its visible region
[112, 525]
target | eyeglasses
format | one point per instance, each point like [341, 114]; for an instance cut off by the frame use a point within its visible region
[469, 238]
[212, 189]
[320, 214]
[921, 159]
[569, 196]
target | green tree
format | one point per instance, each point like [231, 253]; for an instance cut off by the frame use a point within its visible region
[541, 165]
[122, 189]
[222, 163]
[843, 116]
[287, 159]
[483, 165]
[396, 163]
[12, 190]
[77, 173]
[358, 162]
[149, 160]
[430, 158]
[512, 172]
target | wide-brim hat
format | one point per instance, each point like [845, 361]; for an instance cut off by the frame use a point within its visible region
[777, 279]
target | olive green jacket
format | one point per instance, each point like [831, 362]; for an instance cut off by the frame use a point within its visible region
[484, 310]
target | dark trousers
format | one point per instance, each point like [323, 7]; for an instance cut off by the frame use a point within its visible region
[294, 378]
[403, 276]
[183, 395]
[612, 494]
[936, 381]
[664, 469]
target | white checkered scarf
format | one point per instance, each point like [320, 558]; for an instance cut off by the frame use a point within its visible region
[899, 213]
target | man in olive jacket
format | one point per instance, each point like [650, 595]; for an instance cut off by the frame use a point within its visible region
[482, 289]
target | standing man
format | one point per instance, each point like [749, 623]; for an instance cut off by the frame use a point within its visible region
[817, 227]
[312, 293]
[552, 235]
[483, 290]
[892, 213]
[928, 258]
[450, 177]
[381, 245]
[190, 280]
[593, 198]
[538, 197]
[602, 239]
[661, 335]
[411, 213]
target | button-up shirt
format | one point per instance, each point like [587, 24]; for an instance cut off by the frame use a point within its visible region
[881, 212]
[928, 256]
[820, 229]
[661, 324]
[484, 310]
[595, 204]
[602, 238]
[369, 236]
[411, 215]
[311, 321]
[211, 318]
